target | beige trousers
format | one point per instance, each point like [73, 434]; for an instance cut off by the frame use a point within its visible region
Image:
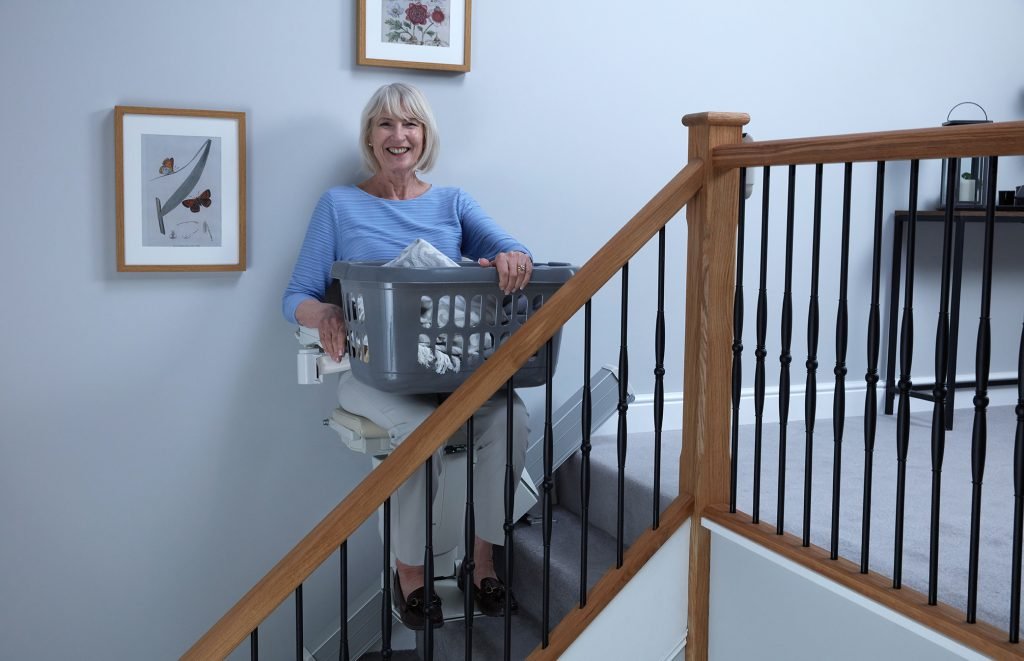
[400, 415]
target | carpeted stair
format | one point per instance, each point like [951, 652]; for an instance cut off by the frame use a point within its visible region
[528, 554]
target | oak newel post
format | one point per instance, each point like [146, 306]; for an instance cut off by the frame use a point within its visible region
[710, 271]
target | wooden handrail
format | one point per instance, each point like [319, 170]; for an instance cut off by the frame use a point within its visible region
[563, 635]
[281, 581]
[995, 139]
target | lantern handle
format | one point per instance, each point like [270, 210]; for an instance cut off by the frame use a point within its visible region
[963, 103]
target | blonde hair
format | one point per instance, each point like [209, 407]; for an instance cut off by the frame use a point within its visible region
[402, 102]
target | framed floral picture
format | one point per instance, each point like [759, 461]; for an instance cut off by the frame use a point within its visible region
[415, 34]
[180, 177]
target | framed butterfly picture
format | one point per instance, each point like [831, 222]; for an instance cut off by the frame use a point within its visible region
[180, 189]
[414, 34]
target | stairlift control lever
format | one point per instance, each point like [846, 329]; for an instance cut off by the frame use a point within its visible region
[313, 363]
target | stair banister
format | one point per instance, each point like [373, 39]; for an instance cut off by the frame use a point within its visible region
[716, 153]
[990, 140]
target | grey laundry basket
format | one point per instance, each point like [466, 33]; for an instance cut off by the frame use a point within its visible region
[394, 315]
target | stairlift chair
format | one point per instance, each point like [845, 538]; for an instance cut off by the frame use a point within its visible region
[361, 435]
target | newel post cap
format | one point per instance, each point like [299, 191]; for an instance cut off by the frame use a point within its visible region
[716, 119]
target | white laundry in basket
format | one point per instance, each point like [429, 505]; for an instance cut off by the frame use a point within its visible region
[421, 254]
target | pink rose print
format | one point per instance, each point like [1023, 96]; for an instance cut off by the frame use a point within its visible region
[416, 13]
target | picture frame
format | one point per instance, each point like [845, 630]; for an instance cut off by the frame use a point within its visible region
[180, 189]
[405, 34]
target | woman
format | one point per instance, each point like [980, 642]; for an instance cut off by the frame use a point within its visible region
[375, 220]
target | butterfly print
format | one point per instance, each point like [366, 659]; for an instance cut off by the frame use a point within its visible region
[167, 167]
[194, 203]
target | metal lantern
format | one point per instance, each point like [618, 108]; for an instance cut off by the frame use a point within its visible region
[969, 189]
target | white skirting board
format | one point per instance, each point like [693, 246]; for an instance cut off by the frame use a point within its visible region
[641, 411]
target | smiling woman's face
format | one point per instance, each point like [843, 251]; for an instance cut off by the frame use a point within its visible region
[397, 144]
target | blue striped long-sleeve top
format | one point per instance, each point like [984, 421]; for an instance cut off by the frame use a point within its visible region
[350, 224]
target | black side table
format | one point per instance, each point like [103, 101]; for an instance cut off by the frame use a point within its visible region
[961, 218]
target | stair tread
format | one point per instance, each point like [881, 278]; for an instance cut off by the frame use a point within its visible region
[488, 633]
[488, 638]
[638, 484]
[528, 561]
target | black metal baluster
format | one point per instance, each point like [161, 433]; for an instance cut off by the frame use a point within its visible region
[428, 558]
[659, 378]
[871, 376]
[469, 561]
[982, 361]
[510, 499]
[954, 317]
[299, 656]
[585, 448]
[906, 361]
[938, 444]
[385, 604]
[254, 645]
[891, 366]
[811, 394]
[759, 352]
[1018, 499]
[737, 344]
[785, 357]
[343, 651]
[548, 484]
[622, 431]
[842, 332]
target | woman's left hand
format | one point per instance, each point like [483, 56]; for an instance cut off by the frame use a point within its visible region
[514, 270]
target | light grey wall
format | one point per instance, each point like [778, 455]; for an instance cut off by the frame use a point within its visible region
[156, 456]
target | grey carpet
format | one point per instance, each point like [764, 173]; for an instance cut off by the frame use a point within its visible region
[488, 638]
[997, 501]
[638, 485]
[566, 532]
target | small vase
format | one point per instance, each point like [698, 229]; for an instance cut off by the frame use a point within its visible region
[967, 187]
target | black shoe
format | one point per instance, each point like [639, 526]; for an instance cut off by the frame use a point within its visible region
[411, 610]
[490, 596]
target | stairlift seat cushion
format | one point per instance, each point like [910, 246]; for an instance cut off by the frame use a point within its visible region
[363, 435]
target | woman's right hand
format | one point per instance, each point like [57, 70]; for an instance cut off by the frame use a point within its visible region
[329, 321]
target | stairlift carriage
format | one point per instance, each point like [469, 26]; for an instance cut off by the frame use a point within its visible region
[361, 435]
[416, 330]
